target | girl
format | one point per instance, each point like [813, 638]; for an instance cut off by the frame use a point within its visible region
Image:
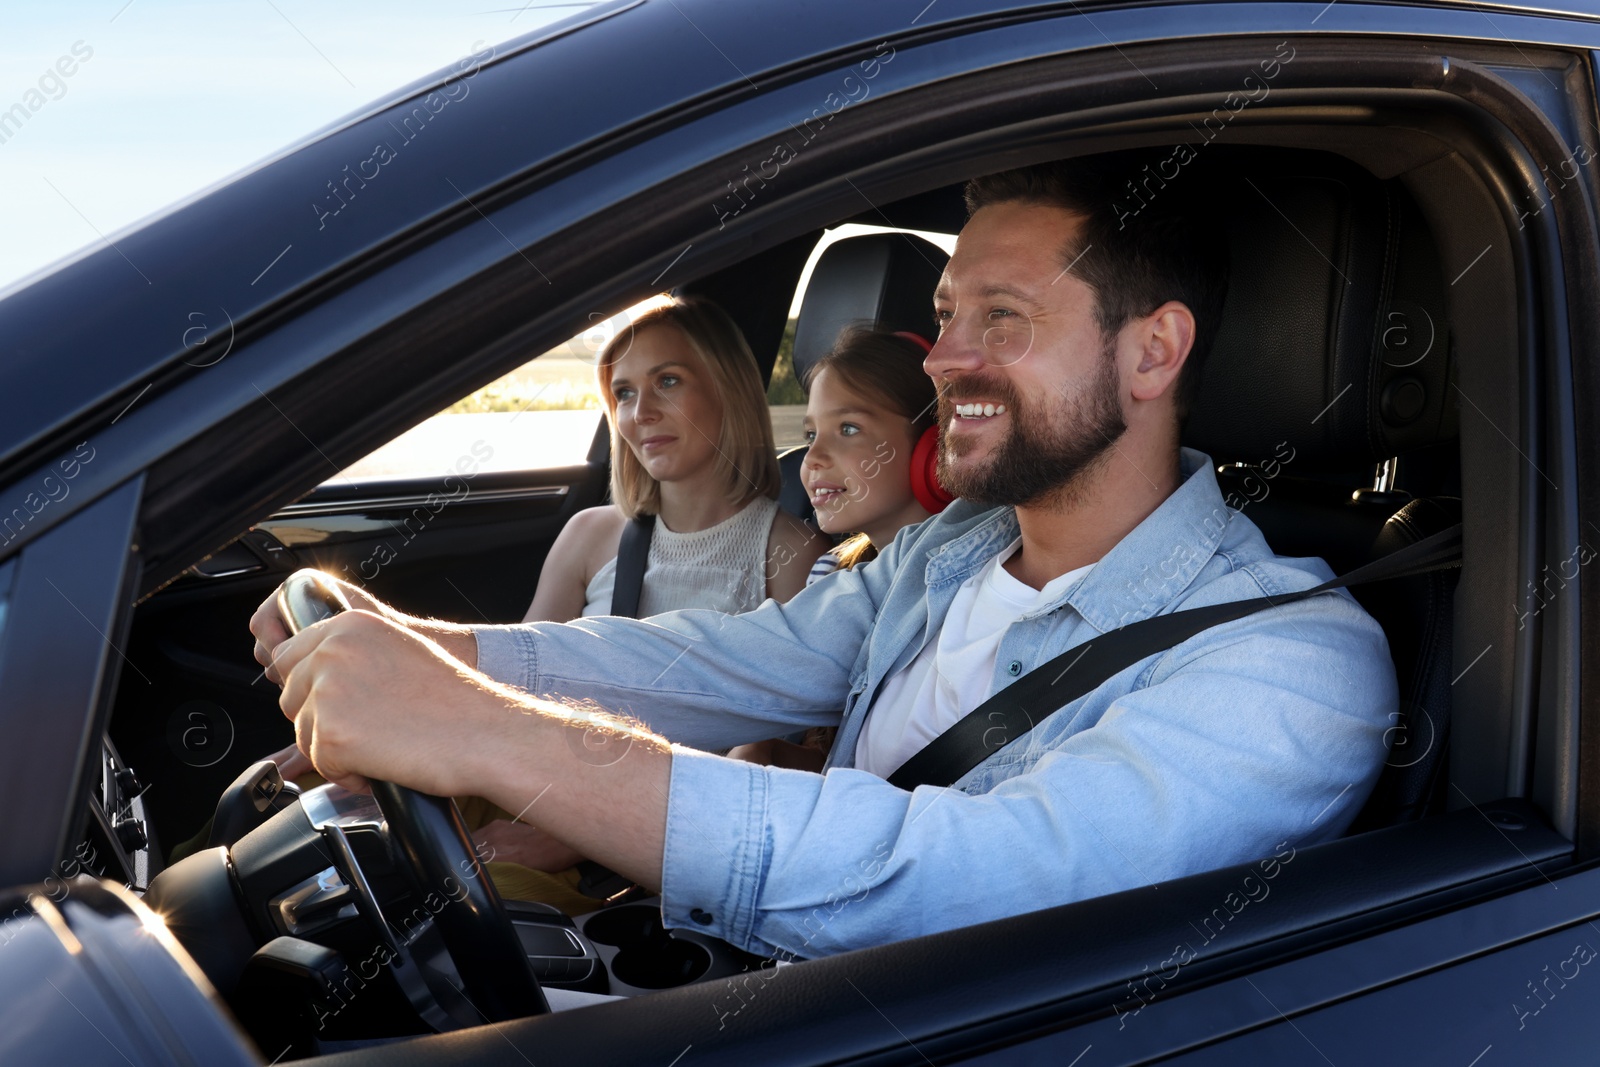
[869, 406]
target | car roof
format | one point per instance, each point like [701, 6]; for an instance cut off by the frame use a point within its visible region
[163, 299]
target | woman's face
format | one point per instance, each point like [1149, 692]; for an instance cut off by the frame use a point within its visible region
[667, 408]
[857, 471]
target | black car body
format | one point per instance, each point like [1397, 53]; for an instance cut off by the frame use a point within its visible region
[1435, 158]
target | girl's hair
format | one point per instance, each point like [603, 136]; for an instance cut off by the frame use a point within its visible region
[884, 368]
[747, 458]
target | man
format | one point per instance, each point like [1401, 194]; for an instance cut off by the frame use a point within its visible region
[1070, 334]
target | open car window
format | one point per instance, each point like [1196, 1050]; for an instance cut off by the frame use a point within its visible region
[538, 417]
[543, 415]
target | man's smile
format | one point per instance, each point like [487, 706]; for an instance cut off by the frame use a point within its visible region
[979, 410]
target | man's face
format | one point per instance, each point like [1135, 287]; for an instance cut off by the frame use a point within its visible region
[1029, 393]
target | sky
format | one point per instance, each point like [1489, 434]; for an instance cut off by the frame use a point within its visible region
[167, 97]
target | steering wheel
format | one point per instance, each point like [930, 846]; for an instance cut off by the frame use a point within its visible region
[496, 976]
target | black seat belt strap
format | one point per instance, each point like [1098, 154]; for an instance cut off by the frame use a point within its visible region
[1028, 701]
[632, 554]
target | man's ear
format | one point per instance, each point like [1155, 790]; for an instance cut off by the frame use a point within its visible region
[1165, 337]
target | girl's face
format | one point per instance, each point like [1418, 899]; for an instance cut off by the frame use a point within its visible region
[857, 471]
[667, 407]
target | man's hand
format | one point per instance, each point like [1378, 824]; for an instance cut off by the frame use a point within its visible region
[268, 626]
[372, 699]
[270, 632]
[517, 842]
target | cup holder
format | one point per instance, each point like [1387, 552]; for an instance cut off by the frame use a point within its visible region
[662, 966]
[648, 957]
[625, 925]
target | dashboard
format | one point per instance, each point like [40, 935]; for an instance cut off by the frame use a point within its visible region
[314, 928]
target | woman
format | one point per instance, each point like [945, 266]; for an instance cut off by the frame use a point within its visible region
[869, 407]
[691, 445]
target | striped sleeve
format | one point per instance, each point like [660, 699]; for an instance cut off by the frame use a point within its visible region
[825, 565]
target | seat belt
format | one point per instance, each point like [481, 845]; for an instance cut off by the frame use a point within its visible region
[633, 551]
[1027, 702]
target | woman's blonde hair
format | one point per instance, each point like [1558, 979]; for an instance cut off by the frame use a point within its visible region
[747, 458]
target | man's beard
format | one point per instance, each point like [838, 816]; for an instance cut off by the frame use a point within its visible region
[1047, 453]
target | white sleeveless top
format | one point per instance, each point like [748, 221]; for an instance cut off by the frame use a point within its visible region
[723, 567]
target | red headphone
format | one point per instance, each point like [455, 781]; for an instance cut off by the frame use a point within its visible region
[925, 456]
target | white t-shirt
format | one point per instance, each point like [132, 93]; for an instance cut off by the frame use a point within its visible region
[951, 675]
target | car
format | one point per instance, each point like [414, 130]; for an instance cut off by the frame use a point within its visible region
[1410, 206]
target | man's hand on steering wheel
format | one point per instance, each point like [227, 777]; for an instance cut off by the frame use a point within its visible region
[375, 701]
[375, 705]
[292, 763]
[370, 698]
[268, 627]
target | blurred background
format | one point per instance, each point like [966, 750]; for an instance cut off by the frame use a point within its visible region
[167, 97]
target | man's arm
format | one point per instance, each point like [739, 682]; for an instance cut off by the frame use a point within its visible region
[1269, 731]
[375, 693]
[705, 678]
[699, 677]
[267, 627]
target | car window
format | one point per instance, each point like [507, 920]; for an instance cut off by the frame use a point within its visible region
[784, 394]
[542, 415]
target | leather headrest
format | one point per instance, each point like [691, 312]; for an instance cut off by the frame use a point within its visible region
[882, 278]
[1333, 335]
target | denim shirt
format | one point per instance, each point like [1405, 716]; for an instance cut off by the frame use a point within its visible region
[1266, 730]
